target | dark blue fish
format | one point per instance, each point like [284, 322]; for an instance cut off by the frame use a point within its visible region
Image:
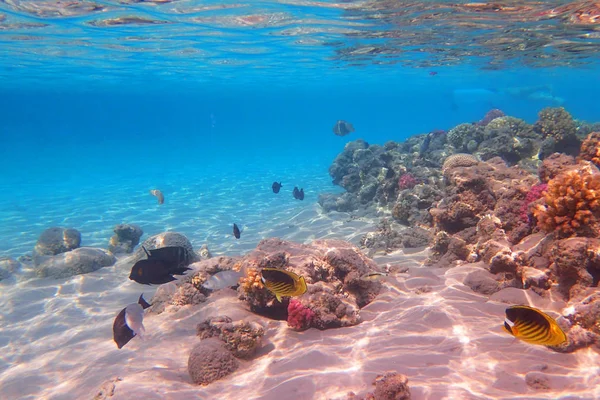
[298, 194]
[236, 231]
[160, 266]
[276, 186]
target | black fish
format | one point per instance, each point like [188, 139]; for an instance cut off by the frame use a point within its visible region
[298, 194]
[342, 128]
[122, 333]
[276, 186]
[172, 255]
[236, 231]
[160, 266]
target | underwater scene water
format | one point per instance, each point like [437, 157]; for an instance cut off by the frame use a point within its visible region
[298, 199]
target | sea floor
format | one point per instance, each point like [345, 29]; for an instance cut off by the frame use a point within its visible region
[56, 335]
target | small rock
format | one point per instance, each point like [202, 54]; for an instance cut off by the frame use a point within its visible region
[57, 240]
[126, 237]
[75, 262]
[210, 361]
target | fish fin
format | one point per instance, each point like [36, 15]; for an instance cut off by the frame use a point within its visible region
[146, 251]
[142, 302]
[278, 297]
[303, 286]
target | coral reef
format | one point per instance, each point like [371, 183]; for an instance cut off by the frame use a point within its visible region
[210, 361]
[242, 338]
[572, 204]
[332, 270]
[126, 237]
[590, 149]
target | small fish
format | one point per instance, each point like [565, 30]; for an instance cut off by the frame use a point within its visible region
[432, 73]
[342, 128]
[276, 186]
[158, 194]
[298, 194]
[236, 231]
[282, 283]
[373, 276]
[160, 266]
[129, 322]
[222, 280]
[533, 326]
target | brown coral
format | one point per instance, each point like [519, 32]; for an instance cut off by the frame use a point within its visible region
[572, 204]
[590, 148]
[459, 160]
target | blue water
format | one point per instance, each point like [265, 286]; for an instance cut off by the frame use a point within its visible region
[223, 92]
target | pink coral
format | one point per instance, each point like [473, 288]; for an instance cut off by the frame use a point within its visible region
[299, 316]
[536, 192]
[407, 181]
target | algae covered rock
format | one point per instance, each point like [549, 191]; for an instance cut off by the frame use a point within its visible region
[126, 237]
[55, 241]
[75, 262]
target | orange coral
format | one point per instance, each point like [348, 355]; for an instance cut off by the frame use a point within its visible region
[572, 204]
[590, 148]
[251, 283]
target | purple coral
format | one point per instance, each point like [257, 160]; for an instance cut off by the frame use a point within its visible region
[407, 181]
[491, 115]
[534, 194]
[299, 316]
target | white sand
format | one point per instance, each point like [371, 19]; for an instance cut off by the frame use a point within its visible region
[57, 344]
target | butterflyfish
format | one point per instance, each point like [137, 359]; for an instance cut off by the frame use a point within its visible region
[533, 326]
[282, 283]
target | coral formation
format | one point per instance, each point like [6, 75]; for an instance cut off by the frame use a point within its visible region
[390, 386]
[242, 338]
[210, 361]
[535, 193]
[490, 116]
[407, 181]
[459, 160]
[590, 149]
[299, 316]
[572, 204]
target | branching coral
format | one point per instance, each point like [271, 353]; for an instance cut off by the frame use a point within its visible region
[590, 148]
[251, 283]
[572, 204]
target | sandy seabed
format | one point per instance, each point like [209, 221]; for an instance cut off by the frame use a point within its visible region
[56, 335]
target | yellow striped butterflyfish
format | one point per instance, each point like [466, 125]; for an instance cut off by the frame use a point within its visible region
[533, 326]
[282, 283]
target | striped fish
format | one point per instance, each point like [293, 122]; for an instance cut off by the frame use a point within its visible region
[282, 283]
[533, 326]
